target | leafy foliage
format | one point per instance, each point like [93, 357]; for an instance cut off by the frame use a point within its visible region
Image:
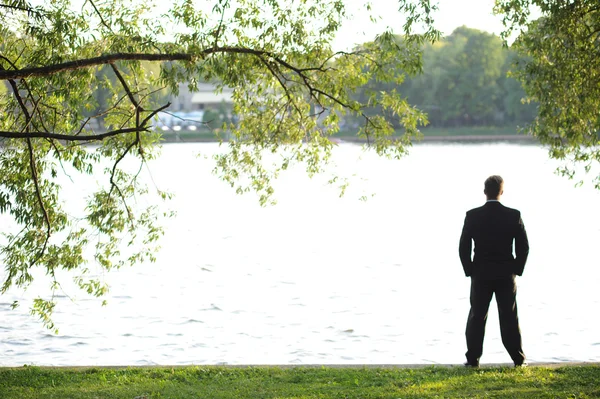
[92, 73]
[560, 70]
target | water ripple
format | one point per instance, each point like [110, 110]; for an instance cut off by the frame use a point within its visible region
[191, 321]
[17, 342]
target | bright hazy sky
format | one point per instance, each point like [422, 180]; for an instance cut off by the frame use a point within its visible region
[358, 28]
[451, 14]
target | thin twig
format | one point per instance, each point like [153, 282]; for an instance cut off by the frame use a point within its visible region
[38, 194]
[153, 113]
[125, 86]
[113, 185]
[281, 82]
[58, 155]
[100, 16]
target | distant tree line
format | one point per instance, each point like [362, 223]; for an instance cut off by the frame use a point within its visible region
[465, 82]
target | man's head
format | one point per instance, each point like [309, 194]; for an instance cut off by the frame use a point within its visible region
[493, 187]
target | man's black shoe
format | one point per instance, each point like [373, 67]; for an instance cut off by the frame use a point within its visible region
[524, 364]
[473, 365]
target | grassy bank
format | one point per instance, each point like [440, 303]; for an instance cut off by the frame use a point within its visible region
[302, 382]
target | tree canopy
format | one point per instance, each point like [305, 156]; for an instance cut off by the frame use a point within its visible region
[560, 70]
[290, 88]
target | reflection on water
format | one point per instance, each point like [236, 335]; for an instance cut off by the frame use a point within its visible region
[319, 279]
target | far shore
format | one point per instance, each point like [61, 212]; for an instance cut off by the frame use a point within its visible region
[488, 138]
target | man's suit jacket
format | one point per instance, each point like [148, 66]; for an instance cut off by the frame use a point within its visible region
[493, 227]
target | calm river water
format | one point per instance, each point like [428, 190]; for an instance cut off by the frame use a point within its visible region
[319, 279]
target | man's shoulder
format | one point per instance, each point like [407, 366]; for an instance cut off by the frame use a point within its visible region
[498, 207]
[475, 210]
[511, 210]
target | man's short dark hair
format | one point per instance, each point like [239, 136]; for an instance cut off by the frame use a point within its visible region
[493, 186]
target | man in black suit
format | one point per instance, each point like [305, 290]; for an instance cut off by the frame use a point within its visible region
[493, 227]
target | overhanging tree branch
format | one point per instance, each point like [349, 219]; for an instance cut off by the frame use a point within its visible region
[111, 58]
[89, 62]
[68, 137]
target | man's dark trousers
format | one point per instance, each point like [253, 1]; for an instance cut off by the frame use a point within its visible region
[505, 291]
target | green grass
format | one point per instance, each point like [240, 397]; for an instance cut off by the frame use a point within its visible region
[300, 382]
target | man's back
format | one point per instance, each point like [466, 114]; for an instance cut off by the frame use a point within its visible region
[493, 227]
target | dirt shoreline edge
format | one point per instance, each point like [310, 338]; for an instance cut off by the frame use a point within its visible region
[292, 366]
